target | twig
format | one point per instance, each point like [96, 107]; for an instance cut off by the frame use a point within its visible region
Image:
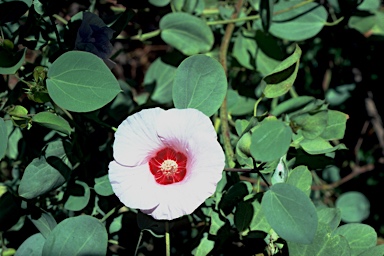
[376, 119]
[223, 109]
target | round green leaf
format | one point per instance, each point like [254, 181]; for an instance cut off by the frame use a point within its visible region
[103, 186]
[76, 202]
[360, 237]
[81, 235]
[281, 79]
[160, 76]
[290, 213]
[3, 138]
[199, 83]
[159, 3]
[298, 23]
[311, 124]
[81, 82]
[336, 125]
[301, 178]
[376, 250]
[270, 140]
[239, 105]
[52, 121]
[354, 206]
[186, 33]
[329, 216]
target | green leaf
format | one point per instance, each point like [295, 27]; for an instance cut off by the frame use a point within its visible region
[81, 82]
[291, 105]
[186, 33]
[122, 21]
[299, 23]
[239, 105]
[362, 24]
[319, 146]
[45, 223]
[160, 76]
[290, 213]
[324, 244]
[270, 140]
[243, 215]
[281, 79]
[336, 96]
[354, 206]
[311, 124]
[3, 138]
[32, 246]
[199, 83]
[301, 178]
[52, 121]
[336, 125]
[360, 237]
[39, 177]
[103, 186]
[374, 251]
[116, 224]
[259, 221]
[245, 49]
[159, 3]
[13, 10]
[235, 194]
[329, 216]
[205, 246]
[216, 223]
[11, 62]
[78, 202]
[81, 235]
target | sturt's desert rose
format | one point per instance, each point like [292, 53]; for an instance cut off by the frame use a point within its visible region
[167, 162]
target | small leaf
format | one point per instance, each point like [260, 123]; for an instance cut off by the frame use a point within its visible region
[81, 82]
[11, 62]
[281, 79]
[360, 237]
[290, 213]
[311, 124]
[45, 223]
[81, 235]
[116, 224]
[329, 216]
[122, 21]
[354, 206]
[301, 178]
[78, 202]
[336, 125]
[319, 146]
[52, 121]
[3, 138]
[239, 105]
[205, 246]
[259, 221]
[32, 246]
[159, 3]
[270, 140]
[199, 83]
[243, 215]
[291, 105]
[235, 194]
[103, 186]
[186, 33]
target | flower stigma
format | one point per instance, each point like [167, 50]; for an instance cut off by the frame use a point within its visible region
[168, 166]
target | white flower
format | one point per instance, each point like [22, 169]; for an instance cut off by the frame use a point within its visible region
[167, 162]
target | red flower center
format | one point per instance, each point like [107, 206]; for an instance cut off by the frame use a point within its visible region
[168, 166]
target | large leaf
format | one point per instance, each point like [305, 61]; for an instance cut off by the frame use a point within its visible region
[81, 235]
[270, 140]
[199, 83]
[3, 138]
[33, 246]
[290, 213]
[186, 33]
[324, 244]
[81, 82]
[360, 237]
[281, 79]
[299, 23]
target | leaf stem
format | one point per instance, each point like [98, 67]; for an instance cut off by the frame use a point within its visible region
[106, 216]
[138, 242]
[256, 104]
[145, 36]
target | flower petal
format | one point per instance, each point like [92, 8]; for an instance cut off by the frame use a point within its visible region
[176, 127]
[136, 138]
[134, 186]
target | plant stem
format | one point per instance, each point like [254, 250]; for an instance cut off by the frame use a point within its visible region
[223, 109]
[106, 216]
[138, 242]
[167, 240]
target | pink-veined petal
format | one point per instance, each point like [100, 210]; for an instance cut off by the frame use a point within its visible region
[136, 138]
[134, 186]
